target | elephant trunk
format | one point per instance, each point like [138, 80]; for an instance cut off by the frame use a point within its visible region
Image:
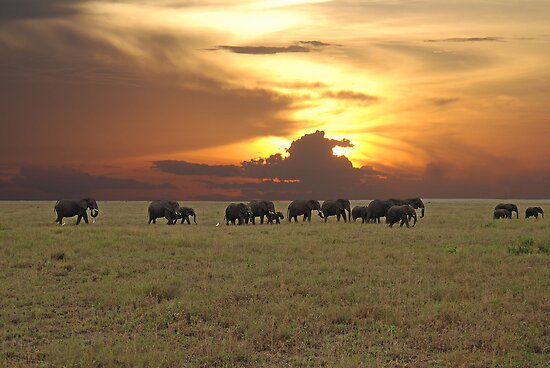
[195, 218]
[422, 213]
[414, 222]
[94, 212]
[320, 213]
[542, 213]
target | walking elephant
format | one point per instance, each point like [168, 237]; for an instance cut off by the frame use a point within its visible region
[534, 211]
[302, 207]
[401, 213]
[333, 208]
[501, 213]
[415, 203]
[170, 210]
[75, 207]
[260, 209]
[359, 212]
[510, 207]
[185, 213]
[237, 212]
[377, 209]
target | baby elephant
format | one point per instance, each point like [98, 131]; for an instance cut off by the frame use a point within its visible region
[184, 214]
[275, 216]
[533, 211]
[502, 213]
[401, 213]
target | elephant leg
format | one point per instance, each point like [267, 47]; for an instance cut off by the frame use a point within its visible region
[85, 217]
[261, 219]
[188, 221]
[78, 219]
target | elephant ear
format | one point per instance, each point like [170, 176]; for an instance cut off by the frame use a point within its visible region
[168, 206]
[83, 203]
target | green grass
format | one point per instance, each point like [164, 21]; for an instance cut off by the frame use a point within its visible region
[458, 290]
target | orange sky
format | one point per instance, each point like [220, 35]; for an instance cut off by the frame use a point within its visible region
[438, 98]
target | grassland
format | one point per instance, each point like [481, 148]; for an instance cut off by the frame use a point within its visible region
[458, 290]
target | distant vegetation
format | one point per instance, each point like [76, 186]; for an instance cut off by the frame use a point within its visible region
[457, 290]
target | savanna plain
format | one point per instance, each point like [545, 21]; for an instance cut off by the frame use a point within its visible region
[458, 290]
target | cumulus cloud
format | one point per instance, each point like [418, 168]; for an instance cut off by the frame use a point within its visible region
[309, 169]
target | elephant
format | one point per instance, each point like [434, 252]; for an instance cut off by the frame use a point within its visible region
[415, 203]
[75, 207]
[237, 212]
[170, 210]
[302, 207]
[534, 211]
[185, 212]
[260, 209]
[510, 207]
[377, 209]
[275, 216]
[501, 213]
[359, 212]
[345, 203]
[333, 208]
[401, 213]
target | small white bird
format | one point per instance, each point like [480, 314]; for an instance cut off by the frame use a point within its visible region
[218, 224]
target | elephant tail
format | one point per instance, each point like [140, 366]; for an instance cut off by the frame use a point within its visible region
[288, 214]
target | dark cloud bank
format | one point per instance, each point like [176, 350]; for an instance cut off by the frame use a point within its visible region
[311, 170]
[65, 182]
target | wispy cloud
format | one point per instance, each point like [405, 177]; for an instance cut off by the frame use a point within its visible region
[468, 39]
[300, 46]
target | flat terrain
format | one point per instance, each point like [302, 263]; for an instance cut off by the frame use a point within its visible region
[458, 290]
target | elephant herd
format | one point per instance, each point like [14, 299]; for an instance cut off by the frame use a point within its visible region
[506, 211]
[394, 210]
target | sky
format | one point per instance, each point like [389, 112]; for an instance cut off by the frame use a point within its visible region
[228, 100]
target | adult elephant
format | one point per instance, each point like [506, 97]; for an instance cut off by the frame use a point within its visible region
[377, 209]
[401, 213]
[534, 211]
[332, 208]
[237, 212]
[185, 213]
[75, 207]
[510, 207]
[501, 213]
[359, 212]
[170, 210]
[260, 209]
[302, 207]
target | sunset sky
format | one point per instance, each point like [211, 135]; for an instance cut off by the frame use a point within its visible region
[219, 99]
